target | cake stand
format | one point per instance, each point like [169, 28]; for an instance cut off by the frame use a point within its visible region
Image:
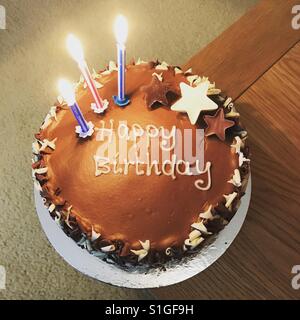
[140, 278]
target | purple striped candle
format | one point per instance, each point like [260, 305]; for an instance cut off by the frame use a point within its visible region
[68, 94]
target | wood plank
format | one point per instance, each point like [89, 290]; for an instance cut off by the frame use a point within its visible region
[240, 55]
[258, 264]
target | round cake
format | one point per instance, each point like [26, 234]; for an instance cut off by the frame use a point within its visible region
[155, 179]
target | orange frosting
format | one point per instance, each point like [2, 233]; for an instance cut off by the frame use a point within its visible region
[131, 207]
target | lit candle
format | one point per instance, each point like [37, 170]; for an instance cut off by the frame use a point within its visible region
[76, 51]
[84, 129]
[121, 32]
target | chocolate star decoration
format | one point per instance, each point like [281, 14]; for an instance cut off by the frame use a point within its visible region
[217, 124]
[156, 92]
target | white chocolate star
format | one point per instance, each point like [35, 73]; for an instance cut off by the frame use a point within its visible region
[213, 91]
[194, 234]
[177, 70]
[232, 113]
[95, 235]
[188, 71]
[46, 143]
[200, 80]
[140, 62]
[201, 227]
[98, 85]
[162, 66]
[207, 214]
[145, 245]
[96, 75]
[46, 122]
[193, 243]
[111, 67]
[108, 248]
[60, 100]
[57, 217]
[52, 112]
[194, 100]
[242, 159]
[40, 170]
[51, 207]
[67, 221]
[238, 144]
[142, 252]
[192, 79]
[227, 102]
[236, 179]
[35, 147]
[229, 198]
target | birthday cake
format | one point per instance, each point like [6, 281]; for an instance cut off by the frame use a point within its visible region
[152, 181]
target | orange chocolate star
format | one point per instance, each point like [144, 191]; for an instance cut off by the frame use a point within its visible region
[217, 124]
[156, 92]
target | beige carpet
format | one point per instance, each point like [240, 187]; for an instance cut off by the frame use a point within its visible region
[32, 58]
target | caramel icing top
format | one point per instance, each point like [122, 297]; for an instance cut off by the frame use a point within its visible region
[131, 207]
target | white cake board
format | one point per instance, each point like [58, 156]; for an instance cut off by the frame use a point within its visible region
[94, 267]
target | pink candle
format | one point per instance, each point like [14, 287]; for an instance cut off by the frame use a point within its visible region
[90, 82]
[75, 49]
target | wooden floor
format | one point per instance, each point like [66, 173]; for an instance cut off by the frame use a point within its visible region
[257, 62]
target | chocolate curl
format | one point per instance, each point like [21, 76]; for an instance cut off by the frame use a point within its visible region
[125, 250]
[224, 212]
[101, 243]
[41, 178]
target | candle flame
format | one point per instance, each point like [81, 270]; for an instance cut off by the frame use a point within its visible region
[75, 48]
[67, 91]
[121, 29]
